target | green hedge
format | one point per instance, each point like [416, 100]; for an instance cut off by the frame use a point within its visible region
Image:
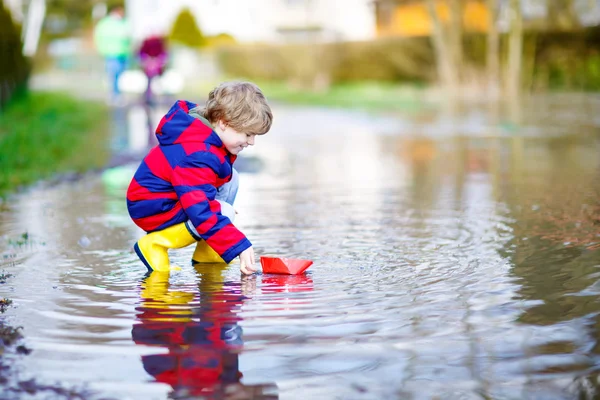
[383, 60]
[14, 68]
[555, 60]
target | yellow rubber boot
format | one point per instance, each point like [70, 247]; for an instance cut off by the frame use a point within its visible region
[153, 248]
[204, 254]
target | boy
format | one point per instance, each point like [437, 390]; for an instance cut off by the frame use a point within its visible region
[183, 191]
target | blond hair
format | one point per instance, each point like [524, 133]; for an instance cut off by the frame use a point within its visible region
[240, 105]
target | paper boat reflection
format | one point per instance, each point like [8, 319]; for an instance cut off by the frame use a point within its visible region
[286, 266]
[286, 283]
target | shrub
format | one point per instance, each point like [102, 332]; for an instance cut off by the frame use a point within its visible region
[185, 30]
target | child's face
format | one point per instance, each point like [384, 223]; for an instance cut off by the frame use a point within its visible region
[233, 140]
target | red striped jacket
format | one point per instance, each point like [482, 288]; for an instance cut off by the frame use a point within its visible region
[178, 180]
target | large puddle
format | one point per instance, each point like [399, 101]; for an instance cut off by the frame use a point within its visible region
[450, 265]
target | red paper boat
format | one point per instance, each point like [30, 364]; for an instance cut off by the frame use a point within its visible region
[287, 266]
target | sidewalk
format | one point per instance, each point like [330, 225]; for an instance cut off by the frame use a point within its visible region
[86, 85]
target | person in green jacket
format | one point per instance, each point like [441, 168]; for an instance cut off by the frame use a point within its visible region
[112, 37]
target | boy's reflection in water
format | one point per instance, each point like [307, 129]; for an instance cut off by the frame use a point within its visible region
[200, 330]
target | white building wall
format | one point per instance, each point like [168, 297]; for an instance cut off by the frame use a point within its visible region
[257, 20]
[339, 19]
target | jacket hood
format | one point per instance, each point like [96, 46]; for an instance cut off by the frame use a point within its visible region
[178, 127]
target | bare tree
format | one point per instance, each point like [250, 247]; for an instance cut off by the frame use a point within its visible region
[36, 12]
[446, 62]
[493, 45]
[455, 34]
[515, 51]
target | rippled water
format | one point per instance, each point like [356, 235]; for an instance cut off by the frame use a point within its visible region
[456, 266]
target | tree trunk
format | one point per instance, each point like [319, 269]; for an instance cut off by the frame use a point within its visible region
[493, 46]
[455, 34]
[445, 63]
[515, 51]
[36, 13]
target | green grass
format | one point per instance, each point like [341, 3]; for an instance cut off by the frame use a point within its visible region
[369, 96]
[43, 134]
[366, 95]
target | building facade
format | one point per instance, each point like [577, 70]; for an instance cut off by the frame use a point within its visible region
[268, 21]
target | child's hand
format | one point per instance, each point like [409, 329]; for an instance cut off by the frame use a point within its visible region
[247, 261]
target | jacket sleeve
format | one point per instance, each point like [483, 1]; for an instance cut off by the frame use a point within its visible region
[194, 181]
